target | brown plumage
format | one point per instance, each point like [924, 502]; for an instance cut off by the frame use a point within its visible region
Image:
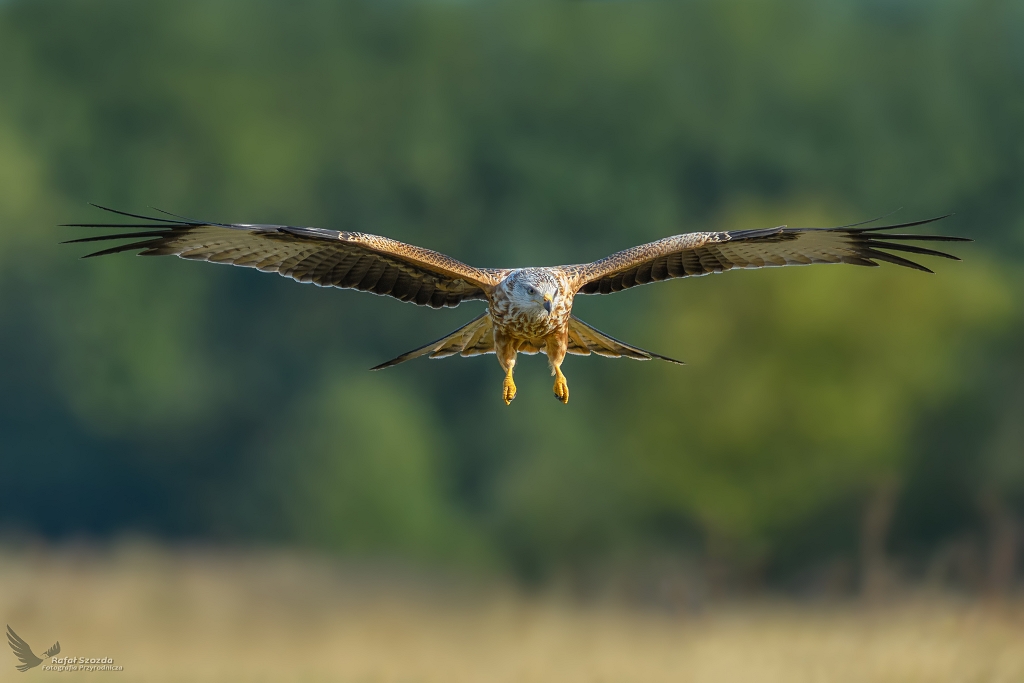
[529, 309]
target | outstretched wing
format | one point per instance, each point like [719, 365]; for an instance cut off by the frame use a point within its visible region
[329, 258]
[584, 340]
[53, 651]
[22, 651]
[700, 253]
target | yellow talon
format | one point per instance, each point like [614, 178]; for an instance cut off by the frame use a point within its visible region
[561, 388]
[508, 389]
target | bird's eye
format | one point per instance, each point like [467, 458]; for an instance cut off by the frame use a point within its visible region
[531, 291]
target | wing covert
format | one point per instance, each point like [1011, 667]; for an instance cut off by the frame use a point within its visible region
[701, 253]
[329, 258]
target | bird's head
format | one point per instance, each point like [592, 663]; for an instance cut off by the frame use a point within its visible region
[533, 290]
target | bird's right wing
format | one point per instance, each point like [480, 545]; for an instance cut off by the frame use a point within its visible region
[22, 651]
[53, 651]
[329, 258]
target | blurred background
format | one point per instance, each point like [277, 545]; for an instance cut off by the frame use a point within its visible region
[840, 436]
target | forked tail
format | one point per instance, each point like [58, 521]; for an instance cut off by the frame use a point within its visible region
[472, 339]
[477, 337]
[584, 340]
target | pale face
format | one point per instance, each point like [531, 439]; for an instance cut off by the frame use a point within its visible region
[533, 291]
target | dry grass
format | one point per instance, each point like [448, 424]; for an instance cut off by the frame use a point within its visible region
[204, 616]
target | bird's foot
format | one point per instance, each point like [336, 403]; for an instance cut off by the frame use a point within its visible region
[561, 388]
[508, 389]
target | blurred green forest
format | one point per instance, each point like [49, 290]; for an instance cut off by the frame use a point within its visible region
[832, 426]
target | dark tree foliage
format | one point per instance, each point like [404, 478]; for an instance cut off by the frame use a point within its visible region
[184, 400]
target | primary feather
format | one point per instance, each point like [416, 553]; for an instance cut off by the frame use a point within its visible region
[329, 258]
[701, 253]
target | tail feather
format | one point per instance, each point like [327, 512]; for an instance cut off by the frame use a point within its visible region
[477, 337]
[584, 340]
[472, 339]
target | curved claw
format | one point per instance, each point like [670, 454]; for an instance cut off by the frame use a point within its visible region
[508, 391]
[561, 388]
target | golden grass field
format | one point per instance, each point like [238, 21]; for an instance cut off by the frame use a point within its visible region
[201, 615]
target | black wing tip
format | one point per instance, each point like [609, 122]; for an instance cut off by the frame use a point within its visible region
[145, 244]
[154, 221]
[154, 226]
[880, 243]
[155, 229]
[892, 226]
[870, 243]
[870, 220]
[907, 263]
[878, 232]
[168, 213]
[133, 215]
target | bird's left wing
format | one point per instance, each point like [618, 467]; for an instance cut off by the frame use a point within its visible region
[329, 258]
[700, 253]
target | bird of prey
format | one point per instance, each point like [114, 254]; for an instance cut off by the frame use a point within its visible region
[529, 310]
[24, 653]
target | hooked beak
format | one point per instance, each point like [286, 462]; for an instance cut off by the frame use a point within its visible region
[547, 303]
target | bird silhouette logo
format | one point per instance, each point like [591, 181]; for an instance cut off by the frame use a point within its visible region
[24, 653]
